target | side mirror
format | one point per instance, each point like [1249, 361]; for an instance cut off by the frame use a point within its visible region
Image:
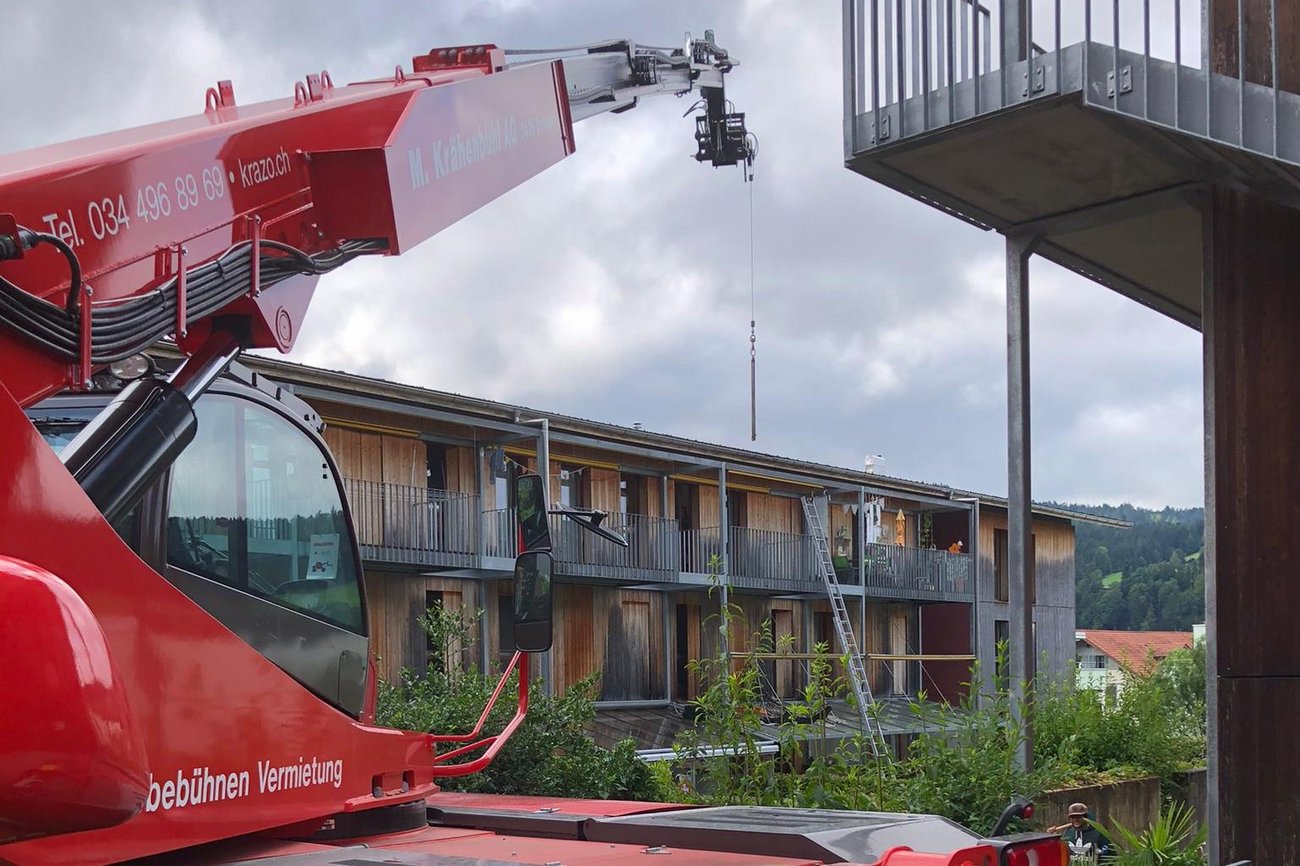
[530, 510]
[533, 601]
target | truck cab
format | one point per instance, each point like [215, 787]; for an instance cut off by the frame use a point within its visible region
[251, 523]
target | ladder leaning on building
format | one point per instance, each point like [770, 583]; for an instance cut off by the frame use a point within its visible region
[857, 674]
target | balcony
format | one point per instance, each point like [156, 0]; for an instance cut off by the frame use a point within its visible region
[759, 558]
[893, 571]
[402, 525]
[1089, 124]
[652, 555]
[414, 528]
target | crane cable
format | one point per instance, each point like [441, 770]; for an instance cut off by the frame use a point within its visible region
[753, 337]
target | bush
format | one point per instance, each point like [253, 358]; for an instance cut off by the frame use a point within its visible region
[549, 755]
[1146, 731]
[962, 765]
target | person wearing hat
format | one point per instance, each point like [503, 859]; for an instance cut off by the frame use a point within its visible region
[1082, 836]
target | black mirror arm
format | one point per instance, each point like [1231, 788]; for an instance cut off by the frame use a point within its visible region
[590, 520]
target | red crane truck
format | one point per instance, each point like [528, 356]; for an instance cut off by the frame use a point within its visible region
[187, 672]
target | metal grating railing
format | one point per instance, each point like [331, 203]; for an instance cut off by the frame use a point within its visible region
[416, 525]
[653, 551]
[914, 572]
[912, 66]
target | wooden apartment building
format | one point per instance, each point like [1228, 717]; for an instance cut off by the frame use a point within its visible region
[428, 478]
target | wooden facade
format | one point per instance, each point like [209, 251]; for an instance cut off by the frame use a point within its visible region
[640, 637]
[396, 603]
[1052, 590]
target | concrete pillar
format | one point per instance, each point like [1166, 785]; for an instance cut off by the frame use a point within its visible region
[1252, 508]
[1019, 250]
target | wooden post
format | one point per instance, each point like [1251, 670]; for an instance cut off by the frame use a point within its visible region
[1252, 373]
[1254, 15]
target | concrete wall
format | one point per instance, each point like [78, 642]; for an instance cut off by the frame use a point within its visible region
[1135, 803]
[1193, 794]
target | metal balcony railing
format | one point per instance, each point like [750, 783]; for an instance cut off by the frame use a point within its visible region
[913, 572]
[653, 552]
[758, 558]
[766, 559]
[913, 66]
[404, 524]
[500, 533]
[698, 549]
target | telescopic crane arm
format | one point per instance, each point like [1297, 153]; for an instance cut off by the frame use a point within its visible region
[151, 232]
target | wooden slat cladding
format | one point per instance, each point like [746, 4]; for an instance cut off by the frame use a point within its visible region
[460, 469]
[616, 632]
[602, 490]
[396, 604]
[369, 456]
[1052, 588]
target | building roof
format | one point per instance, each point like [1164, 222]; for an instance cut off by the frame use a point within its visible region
[1136, 651]
[344, 384]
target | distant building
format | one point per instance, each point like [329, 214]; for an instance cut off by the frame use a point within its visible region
[1107, 658]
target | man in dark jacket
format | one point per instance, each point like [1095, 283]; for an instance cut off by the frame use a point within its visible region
[1082, 837]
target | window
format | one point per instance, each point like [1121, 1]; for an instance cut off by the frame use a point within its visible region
[254, 505]
[435, 466]
[571, 486]
[58, 427]
[737, 508]
[505, 626]
[631, 493]
[1095, 662]
[1001, 590]
[1002, 568]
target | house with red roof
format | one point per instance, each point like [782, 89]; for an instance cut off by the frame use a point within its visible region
[1107, 658]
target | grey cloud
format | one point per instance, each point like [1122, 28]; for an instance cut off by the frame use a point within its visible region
[880, 320]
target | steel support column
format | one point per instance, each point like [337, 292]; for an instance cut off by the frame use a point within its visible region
[859, 562]
[481, 599]
[1019, 251]
[724, 569]
[973, 549]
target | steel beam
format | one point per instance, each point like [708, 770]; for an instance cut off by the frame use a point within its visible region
[1019, 250]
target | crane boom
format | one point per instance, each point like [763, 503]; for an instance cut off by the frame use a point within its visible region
[161, 220]
[153, 717]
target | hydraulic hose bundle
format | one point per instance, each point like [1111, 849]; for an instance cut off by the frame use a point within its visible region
[123, 329]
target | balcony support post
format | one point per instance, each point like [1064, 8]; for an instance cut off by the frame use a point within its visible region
[481, 547]
[481, 599]
[1019, 251]
[724, 568]
[669, 612]
[860, 563]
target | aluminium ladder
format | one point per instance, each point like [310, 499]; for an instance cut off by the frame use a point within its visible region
[844, 631]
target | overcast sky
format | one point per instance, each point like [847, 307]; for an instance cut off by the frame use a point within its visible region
[616, 286]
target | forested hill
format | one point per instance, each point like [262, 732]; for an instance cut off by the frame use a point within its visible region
[1149, 577]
